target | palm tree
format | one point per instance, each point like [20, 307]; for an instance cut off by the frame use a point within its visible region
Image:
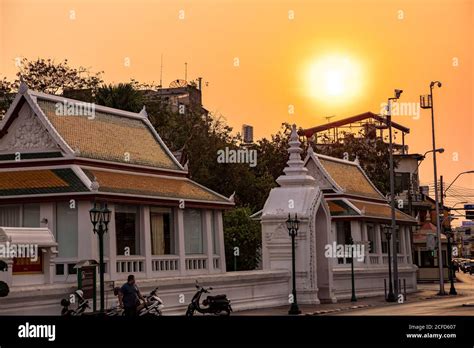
[121, 96]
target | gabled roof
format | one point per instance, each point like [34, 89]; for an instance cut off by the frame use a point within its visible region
[109, 134]
[346, 176]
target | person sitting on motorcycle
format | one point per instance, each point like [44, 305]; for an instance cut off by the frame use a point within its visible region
[130, 296]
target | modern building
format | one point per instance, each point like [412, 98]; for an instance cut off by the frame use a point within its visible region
[247, 134]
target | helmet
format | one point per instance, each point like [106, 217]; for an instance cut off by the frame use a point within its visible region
[79, 294]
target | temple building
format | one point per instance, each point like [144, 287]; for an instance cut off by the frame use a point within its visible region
[337, 205]
[58, 156]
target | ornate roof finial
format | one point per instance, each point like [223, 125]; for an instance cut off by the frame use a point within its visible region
[94, 185]
[356, 161]
[232, 197]
[295, 172]
[143, 112]
[23, 86]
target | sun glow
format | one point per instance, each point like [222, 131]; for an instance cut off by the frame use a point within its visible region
[334, 79]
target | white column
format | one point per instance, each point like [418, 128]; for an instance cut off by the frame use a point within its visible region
[364, 238]
[207, 226]
[86, 238]
[146, 238]
[378, 242]
[112, 245]
[220, 239]
[408, 244]
[181, 243]
[403, 249]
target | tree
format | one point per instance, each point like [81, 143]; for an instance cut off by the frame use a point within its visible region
[121, 96]
[44, 75]
[242, 239]
[6, 95]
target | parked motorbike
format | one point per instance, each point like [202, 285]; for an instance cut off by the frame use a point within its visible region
[152, 306]
[217, 305]
[81, 307]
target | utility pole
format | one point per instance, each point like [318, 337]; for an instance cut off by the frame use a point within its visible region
[435, 170]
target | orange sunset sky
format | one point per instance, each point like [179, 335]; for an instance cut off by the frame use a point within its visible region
[322, 57]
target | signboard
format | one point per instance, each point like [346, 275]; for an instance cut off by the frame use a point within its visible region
[467, 223]
[87, 281]
[25, 265]
[430, 241]
[468, 206]
[470, 214]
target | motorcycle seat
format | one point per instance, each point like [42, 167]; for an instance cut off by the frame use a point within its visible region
[217, 298]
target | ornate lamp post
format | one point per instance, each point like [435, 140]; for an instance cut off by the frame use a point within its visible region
[397, 93]
[100, 219]
[292, 226]
[449, 235]
[391, 296]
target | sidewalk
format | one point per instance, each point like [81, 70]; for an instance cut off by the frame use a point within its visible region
[425, 292]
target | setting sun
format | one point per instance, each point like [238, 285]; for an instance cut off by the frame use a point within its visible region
[334, 78]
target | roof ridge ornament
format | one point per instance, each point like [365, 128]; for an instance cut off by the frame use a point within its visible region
[23, 88]
[356, 160]
[94, 185]
[232, 197]
[143, 112]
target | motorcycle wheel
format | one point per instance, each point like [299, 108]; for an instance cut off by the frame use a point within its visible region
[190, 311]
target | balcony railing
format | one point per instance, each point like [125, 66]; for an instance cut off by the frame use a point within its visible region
[165, 263]
[216, 262]
[130, 264]
[196, 262]
[374, 259]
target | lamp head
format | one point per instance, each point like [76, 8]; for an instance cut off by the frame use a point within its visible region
[398, 92]
[435, 83]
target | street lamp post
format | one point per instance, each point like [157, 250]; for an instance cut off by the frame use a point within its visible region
[449, 235]
[391, 295]
[292, 225]
[393, 227]
[426, 102]
[100, 219]
[353, 297]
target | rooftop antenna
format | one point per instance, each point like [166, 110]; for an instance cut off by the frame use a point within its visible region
[185, 71]
[161, 71]
[328, 118]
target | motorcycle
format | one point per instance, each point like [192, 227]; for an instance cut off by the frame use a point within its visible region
[81, 307]
[152, 306]
[217, 305]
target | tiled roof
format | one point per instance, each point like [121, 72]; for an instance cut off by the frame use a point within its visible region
[109, 137]
[31, 182]
[381, 211]
[340, 208]
[155, 186]
[350, 177]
